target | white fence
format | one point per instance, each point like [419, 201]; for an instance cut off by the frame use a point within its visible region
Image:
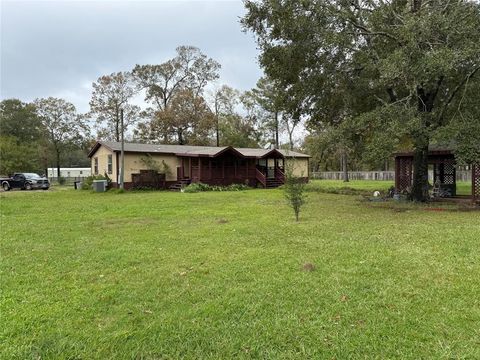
[462, 175]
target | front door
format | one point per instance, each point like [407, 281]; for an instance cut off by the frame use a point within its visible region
[186, 167]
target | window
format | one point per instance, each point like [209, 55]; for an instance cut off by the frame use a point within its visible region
[81, 172]
[95, 166]
[109, 164]
[262, 162]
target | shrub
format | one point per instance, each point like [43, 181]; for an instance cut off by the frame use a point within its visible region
[88, 181]
[294, 190]
[62, 180]
[200, 187]
[197, 187]
[237, 187]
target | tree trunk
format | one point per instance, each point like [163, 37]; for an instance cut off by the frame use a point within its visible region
[290, 139]
[216, 130]
[421, 142]
[420, 172]
[180, 137]
[345, 167]
[276, 130]
[117, 125]
[58, 164]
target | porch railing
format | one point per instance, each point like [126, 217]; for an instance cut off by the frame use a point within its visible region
[261, 177]
[279, 175]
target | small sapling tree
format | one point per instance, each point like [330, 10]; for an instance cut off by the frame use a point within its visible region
[294, 188]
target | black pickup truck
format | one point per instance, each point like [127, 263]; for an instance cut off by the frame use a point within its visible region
[25, 181]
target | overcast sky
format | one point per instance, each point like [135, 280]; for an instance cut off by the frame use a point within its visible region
[58, 48]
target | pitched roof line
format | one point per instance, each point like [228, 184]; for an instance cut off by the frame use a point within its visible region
[193, 151]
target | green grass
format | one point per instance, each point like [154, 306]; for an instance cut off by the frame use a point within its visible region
[154, 275]
[367, 187]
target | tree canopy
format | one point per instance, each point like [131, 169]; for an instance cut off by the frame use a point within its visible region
[64, 128]
[112, 94]
[401, 68]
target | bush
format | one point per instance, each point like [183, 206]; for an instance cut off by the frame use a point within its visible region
[237, 187]
[62, 180]
[197, 187]
[294, 190]
[87, 182]
[200, 187]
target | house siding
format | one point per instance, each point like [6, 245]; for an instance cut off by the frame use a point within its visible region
[298, 166]
[102, 155]
[134, 163]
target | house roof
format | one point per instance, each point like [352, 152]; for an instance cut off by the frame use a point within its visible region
[262, 153]
[433, 150]
[189, 150]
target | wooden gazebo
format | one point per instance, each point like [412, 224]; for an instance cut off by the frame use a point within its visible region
[444, 172]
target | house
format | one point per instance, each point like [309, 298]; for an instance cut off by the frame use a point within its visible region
[207, 164]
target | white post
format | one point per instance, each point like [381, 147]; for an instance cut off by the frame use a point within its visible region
[122, 155]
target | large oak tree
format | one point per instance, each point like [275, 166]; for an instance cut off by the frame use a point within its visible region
[401, 69]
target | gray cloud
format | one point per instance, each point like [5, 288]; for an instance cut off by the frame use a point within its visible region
[56, 48]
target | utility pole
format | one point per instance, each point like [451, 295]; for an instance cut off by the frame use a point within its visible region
[122, 153]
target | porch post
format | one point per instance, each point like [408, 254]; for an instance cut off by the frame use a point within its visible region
[473, 182]
[200, 169]
[190, 167]
[210, 168]
[397, 173]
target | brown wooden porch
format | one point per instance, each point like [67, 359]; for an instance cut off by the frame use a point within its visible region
[232, 168]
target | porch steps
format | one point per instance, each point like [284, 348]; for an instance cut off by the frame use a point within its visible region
[273, 183]
[180, 184]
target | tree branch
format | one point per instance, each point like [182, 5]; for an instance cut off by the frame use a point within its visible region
[454, 93]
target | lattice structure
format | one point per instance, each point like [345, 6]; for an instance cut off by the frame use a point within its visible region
[444, 176]
[444, 172]
[449, 174]
[403, 174]
[476, 182]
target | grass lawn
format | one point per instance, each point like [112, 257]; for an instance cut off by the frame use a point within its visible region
[368, 186]
[154, 275]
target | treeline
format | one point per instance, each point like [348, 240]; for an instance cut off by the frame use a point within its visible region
[39, 135]
[182, 104]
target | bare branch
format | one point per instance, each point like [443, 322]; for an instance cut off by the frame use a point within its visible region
[454, 93]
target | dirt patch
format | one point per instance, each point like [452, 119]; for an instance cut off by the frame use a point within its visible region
[308, 267]
[222, 221]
